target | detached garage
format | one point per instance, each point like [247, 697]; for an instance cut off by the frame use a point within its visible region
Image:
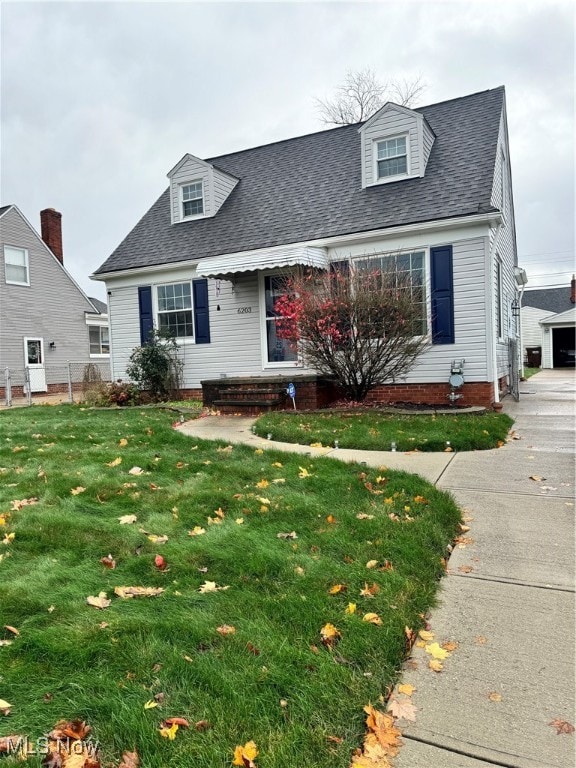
[548, 326]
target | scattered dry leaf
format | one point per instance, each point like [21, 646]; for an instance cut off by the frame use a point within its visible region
[127, 519]
[108, 562]
[562, 726]
[436, 651]
[336, 589]
[372, 618]
[402, 709]
[5, 707]
[197, 531]
[495, 696]
[244, 755]
[371, 563]
[130, 760]
[291, 535]
[136, 471]
[369, 591]
[226, 629]
[330, 635]
[406, 689]
[129, 592]
[114, 463]
[77, 490]
[99, 602]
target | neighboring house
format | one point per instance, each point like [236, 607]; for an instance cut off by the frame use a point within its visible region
[549, 326]
[428, 190]
[46, 320]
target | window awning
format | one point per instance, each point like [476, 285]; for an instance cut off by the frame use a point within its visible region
[230, 264]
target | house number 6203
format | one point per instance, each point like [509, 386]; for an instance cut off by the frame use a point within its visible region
[244, 310]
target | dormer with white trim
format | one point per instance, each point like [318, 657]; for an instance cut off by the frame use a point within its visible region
[395, 144]
[197, 189]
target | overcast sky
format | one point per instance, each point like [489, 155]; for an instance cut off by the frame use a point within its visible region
[100, 99]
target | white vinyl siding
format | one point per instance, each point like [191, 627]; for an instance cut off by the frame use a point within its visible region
[235, 347]
[428, 141]
[16, 265]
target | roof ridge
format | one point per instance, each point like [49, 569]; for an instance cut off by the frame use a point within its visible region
[214, 158]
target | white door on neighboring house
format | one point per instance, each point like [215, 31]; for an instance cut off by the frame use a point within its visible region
[34, 361]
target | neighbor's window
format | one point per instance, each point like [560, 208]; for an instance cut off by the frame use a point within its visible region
[16, 265]
[279, 350]
[391, 157]
[409, 269]
[99, 340]
[175, 309]
[192, 199]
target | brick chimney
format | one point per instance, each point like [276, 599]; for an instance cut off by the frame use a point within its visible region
[51, 228]
[573, 290]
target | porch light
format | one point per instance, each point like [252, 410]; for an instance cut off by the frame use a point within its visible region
[52, 345]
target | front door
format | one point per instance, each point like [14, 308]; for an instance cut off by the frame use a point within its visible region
[34, 361]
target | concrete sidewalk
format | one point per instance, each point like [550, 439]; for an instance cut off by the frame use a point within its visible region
[508, 599]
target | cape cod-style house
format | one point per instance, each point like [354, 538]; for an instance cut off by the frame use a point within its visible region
[428, 188]
[46, 321]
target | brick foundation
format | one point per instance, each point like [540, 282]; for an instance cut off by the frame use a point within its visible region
[314, 392]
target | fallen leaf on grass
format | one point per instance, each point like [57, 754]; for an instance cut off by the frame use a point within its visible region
[372, 618]
[169, 732]
[129, 592]
[114, 463]
[562, 726]
[179, 721]
[369, 591]
[371, 563]
[303, 472]
[108, 562]
[202, 725]
[197, 531]
[336, 589]
[244, 755]
[12, 629]
[5, 707]
[127, 519]
[330, 635]
[157, 539]
[122, 442]
[130, 760]
[160, 563]
[291, 535]
[76, 491]
[350, 608]
[99, 602]
[17, 504]
[136, 471]
[364, 516]
[226, 629]
[402, 709]
[262, 484]
[150, 704]
[211, 586]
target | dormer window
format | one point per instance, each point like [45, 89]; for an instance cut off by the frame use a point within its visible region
[192, 199]
[391, 157]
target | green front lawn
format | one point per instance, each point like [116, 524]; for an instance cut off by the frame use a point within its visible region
[65, 481]
[376, 431]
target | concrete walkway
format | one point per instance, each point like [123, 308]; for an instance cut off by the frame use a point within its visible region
[508, 599]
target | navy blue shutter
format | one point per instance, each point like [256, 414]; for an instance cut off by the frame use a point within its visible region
[201, 316]
[442, 283]
[146, 316]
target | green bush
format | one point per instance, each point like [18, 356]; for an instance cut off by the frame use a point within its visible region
[156, 367]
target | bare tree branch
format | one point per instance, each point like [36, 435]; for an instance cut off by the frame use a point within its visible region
[362, 94]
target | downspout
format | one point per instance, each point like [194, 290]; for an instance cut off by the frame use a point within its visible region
[520, 331]
[491, 309]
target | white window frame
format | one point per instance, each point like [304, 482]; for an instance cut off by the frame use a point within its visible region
[395, 177]
[157, 312]
[183, 186]
[425, 278]
[100, 326]
[27, 265]
[266, 364]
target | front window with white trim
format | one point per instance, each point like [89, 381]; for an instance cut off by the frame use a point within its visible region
[409, 270]
[175, 309]
[278, 350]
[391, 157]
[99, 340]
[192, 199]
[16, 265]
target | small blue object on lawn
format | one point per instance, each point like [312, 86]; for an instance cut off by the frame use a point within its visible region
[291, 392]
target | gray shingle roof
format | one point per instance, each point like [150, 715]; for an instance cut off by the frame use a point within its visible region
[310, 187]
[101, 306]
[553, 300]
[4, 208]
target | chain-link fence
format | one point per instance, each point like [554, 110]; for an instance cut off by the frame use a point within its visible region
[72, 381]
